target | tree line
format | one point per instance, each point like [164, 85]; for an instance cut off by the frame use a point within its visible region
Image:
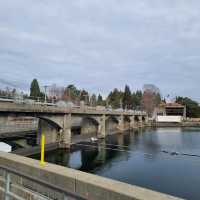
[192, 107]
[146, 100]
[116, 99]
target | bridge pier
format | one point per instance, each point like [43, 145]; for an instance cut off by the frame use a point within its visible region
[66, 131]
[102, 127]
[49, 131]
[121, 123]
[146, 121]
[140, 121]
[132, 122]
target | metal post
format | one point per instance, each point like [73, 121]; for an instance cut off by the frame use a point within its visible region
[45, 89]
[7, 186]
[42, 162]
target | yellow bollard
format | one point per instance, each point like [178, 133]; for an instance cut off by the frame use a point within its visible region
[42, 162]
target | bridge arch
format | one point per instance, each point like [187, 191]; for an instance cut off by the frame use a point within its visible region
[111, 124]
[127, 122]
[90, 119]
[143, 119]
[89, 126]
[136, 118]
[51, 122]
[52, 128]
[84, 127]
[51, 125]
[112, 118]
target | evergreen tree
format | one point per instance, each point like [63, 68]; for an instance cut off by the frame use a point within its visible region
[158, 99]
[136, 99]
[100, 101]
[74, 92]
[71, 93]
[192, 107]
[35, 89]
[127, 98]
[114, 98]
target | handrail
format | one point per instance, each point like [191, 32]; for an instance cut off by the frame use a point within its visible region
[43, 183]
[53, 105]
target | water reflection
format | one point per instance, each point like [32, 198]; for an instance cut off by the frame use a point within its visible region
[137, 158]
[75, 160]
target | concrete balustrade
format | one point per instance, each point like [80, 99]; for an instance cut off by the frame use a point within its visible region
[87, 186]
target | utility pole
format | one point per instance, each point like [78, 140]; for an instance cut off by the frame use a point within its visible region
[45, 90]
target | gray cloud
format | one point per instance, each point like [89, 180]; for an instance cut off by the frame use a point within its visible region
[99, 45]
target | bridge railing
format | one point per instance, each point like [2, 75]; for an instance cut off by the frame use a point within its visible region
[54, 107]
[5, 128]
[24, 178]
[15, 185]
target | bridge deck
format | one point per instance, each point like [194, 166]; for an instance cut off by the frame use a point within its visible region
[25, 108]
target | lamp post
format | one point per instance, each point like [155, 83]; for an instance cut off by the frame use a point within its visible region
[45, 91]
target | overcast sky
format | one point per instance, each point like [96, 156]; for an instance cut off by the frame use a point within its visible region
[102, 44]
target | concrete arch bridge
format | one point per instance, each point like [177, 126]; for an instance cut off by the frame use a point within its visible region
[67, 125]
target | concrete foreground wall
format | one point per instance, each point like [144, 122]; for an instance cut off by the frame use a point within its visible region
[89, 186]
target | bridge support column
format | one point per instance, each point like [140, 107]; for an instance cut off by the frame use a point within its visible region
[140, 121]
[132, 122]
[49, 131]
[66, 131]
[102, 127]
[146, 120]
[121, 123]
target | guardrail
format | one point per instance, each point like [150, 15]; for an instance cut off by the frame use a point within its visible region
[33, 103]
[11, 188]
[24, 178]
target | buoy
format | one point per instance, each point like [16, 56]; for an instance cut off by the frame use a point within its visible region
[93, 139]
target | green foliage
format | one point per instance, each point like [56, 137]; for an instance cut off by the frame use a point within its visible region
[158, 99]
[74, 92]
[193, 109]
[71, 93]
[127, 102]
[115, 98]
[35, 89]
[100, 101]
[136, 99]
[119, 99]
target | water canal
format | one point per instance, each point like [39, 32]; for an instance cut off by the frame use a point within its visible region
[141, 158]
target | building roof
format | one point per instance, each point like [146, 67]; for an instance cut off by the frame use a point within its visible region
[171, 105]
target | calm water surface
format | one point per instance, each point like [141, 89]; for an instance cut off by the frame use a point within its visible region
[137, 158]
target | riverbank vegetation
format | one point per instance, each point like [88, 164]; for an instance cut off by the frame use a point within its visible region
[146, 99]
[193, 108]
